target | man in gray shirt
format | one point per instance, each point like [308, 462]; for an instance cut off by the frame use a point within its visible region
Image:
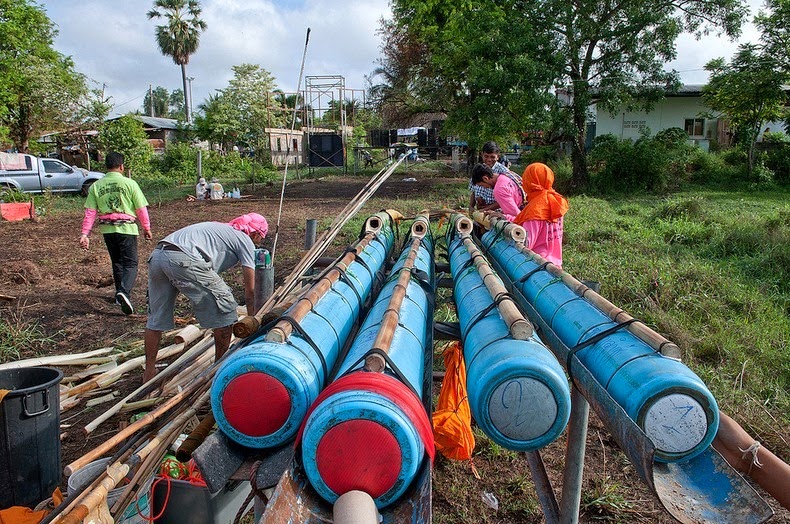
[190, 261]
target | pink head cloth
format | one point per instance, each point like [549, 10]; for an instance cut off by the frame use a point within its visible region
[250, 223]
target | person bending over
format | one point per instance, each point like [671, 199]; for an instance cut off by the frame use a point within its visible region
[190, 261]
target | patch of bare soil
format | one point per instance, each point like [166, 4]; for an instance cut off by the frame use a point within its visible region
[68, 294]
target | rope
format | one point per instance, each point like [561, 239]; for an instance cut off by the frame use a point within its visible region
[752, 450]
[288, 149]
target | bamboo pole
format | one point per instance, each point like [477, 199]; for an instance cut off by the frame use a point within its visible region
[196, 438]
[57, 360]
[513, 231]
[389, 321]
[520, 328]
[198, 385]
[638, 329]
[282, 330]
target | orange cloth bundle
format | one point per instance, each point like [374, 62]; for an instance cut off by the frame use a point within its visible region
[452, 418]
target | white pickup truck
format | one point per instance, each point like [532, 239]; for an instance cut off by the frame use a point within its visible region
[32, 174]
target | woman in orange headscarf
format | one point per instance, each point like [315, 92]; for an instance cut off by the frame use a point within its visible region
[542, 216]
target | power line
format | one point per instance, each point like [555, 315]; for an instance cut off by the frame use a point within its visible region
[116, 106]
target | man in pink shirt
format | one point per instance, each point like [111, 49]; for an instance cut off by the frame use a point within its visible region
[507, 192]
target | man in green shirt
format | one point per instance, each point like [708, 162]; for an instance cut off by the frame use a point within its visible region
[115, 200]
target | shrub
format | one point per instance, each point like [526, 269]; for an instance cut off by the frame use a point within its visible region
[735, 156]
[619, 166]
[178, 163]
[672, 137]
[684, 208]
[777, 159]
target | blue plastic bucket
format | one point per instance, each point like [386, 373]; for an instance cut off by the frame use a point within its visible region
[361, 440]
[357, 438]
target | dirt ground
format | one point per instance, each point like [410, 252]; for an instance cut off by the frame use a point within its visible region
[68, 293]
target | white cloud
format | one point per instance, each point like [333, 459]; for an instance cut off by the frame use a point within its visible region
[112, 42]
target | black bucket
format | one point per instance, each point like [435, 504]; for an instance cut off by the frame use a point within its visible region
[29, 435]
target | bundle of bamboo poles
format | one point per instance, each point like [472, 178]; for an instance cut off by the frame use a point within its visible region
[70, 396]
[155, 431]
[248, 325]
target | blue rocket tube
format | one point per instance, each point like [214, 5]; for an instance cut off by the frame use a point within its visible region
[518, 392]
[370, 431]
[661, 395]
[261, 393]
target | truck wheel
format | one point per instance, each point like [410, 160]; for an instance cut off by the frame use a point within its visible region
[86, 187]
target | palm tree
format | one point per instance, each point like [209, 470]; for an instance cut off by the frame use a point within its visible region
[180, 37]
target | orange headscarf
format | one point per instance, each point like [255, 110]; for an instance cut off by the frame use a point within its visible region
[543, 203]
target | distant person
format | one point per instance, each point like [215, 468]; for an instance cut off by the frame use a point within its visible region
[189, 261]
[508, 194]
[542, 217]
[216, 191]
[481, 197]
[115, 201]
[201, 189]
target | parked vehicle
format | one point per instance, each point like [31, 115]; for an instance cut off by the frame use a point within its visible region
[32, 174]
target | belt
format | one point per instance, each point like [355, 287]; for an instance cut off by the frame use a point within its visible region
[164, 246]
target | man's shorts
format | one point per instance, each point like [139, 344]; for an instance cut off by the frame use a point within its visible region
[171, 272]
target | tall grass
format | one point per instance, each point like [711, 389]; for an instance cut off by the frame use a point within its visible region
[710, 271]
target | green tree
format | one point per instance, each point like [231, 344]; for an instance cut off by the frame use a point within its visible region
[36, 82]
[88, 113]
[176, 104]
[157, 103]
[776, 31]
[613, 51]
[180, 36]
[219, 121]
[392, 91]
[749, 91]
[251, 94]
[126, 136]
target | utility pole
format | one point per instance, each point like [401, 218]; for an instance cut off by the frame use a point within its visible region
[151, 99]
[189, 79]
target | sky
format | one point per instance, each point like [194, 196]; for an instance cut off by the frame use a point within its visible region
[112, 43]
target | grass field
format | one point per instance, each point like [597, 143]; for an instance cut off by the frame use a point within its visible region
[710, 271]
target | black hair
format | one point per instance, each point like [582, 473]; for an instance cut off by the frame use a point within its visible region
[490, 147]
[480, 171]
[113, 160]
